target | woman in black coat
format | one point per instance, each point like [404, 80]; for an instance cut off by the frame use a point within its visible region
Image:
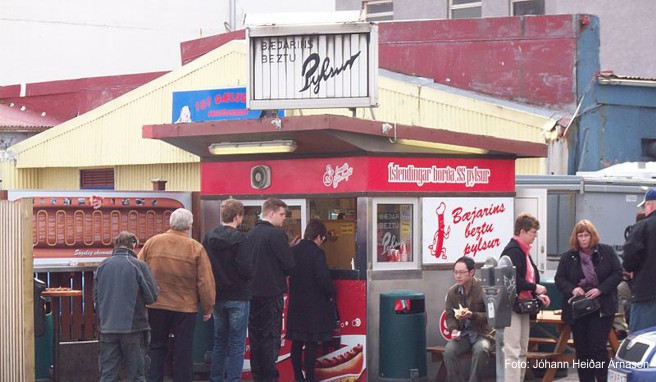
[311, 316]
[592, 269]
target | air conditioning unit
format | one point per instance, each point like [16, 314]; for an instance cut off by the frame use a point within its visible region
[260, 177]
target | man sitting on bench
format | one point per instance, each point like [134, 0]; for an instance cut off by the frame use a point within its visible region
[466, 319]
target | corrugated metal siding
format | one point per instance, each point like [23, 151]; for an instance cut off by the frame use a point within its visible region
[179, 176]
[110, 135]
[411, 104]
[531, 166]
[16, 294]
[62, 178]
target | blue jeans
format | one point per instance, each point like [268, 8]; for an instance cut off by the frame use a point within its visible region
[643, 315]
[230, 324]
[129, 347]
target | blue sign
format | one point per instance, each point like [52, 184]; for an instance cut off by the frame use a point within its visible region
[212, 105]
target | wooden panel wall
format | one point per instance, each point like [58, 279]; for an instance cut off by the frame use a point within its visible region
[16, 292]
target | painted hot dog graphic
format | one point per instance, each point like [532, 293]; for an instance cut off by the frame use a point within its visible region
[437, 248]
[342, 365]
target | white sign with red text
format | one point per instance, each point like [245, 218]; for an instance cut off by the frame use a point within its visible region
[476, 227]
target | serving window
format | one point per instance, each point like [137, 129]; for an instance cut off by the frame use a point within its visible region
[294, 222]
[396, 226]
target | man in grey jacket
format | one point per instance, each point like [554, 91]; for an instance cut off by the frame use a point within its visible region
[123, 286]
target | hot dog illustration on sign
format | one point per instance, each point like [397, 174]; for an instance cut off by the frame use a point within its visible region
[437, 248]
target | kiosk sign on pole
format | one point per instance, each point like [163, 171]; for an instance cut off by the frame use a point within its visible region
[317, 66]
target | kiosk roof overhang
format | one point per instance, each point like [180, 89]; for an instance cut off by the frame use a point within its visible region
[333, 135]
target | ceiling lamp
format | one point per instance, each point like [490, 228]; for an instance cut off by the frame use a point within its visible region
[262, 147]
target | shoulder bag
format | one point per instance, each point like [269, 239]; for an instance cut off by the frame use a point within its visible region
[582, 306]
[526, 306]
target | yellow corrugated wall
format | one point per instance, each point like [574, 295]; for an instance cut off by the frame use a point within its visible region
[179, 176]
[16, 292]
[110, 135]
[412, 104]
[531, 166]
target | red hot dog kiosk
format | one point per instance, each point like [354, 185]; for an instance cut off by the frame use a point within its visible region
[402, 203]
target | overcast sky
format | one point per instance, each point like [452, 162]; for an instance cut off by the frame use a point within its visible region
[46, 40]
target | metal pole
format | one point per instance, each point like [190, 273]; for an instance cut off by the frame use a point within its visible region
[500, 359]
[233, 15]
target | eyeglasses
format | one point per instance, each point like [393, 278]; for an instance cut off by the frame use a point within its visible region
[583, 235]
[459, 272]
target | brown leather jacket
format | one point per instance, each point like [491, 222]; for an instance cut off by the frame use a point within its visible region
[476, 305]
[182, 271]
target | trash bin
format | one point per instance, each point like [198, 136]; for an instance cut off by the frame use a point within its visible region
[402, 349]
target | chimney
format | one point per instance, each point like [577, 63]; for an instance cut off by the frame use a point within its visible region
[159, 184]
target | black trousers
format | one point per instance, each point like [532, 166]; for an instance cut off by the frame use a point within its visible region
[182, 326]
[264, 330]
[304, 360]
[590, 336]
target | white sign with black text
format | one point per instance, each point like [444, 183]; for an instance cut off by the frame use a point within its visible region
[319, 66]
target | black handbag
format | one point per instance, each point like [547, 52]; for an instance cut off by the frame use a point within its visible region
[526, 306]
[582, 306]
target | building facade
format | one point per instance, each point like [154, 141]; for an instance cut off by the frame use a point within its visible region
[623, 52]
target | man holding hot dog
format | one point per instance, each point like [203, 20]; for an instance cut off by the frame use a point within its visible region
[466, 319]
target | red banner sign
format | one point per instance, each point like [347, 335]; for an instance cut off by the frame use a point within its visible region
[358, 174]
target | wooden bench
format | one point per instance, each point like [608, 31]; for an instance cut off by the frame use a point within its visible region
[546, 341]
[437, 354]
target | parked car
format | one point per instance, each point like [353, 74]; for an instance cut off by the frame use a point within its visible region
[636, 358]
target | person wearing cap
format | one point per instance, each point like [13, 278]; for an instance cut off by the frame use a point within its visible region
[640, 260]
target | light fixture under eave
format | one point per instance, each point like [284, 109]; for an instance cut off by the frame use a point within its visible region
[457, 149]
[261, 147]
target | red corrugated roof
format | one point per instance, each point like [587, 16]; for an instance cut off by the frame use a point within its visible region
[12, 118]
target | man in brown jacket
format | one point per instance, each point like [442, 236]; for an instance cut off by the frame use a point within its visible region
[184, 274]
[466, 319]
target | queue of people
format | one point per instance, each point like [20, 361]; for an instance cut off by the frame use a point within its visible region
[239, 280]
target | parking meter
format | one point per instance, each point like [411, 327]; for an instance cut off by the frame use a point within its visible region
[499, 290]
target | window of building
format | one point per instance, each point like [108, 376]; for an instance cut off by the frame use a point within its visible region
[527, 7]
[464, 9]
[378, 10]
[97, 178]
[294, 221]
[395, 243]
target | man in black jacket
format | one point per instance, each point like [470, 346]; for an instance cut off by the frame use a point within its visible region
[268, 244]
[640, 260]
[232, 271]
